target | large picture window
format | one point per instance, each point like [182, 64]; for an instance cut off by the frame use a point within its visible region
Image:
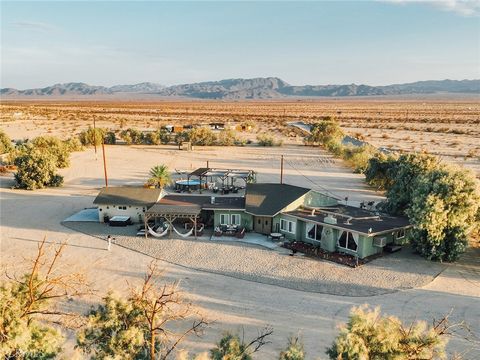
[314, 231]
[287, 226]
[347, 241]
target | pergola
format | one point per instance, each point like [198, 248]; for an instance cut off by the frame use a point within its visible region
[172, 212]
[223, 174]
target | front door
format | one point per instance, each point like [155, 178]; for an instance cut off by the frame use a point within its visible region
[263, 224]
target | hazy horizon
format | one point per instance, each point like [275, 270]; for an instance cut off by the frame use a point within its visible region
[303, 43]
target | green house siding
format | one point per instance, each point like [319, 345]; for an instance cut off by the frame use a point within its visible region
[288, 236]
[245, 219]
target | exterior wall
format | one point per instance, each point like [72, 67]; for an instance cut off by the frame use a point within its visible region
[136, 212]
[288, 236]
[245, 219]
[329, 238]
[316, 199]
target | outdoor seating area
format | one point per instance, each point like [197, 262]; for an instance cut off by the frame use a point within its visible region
[230, 230]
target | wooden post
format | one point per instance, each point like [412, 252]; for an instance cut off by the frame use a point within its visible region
[281, 170]
[145, 221]
[195, 226]
[104, 164]
[207, 165]
[95, 137]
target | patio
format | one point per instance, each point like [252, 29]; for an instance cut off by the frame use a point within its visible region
[251, 238]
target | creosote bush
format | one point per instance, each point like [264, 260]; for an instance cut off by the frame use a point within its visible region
[368, 335]
[268, 141]
[5, 143]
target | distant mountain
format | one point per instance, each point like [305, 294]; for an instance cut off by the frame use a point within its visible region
[257, 88]
[145, 87]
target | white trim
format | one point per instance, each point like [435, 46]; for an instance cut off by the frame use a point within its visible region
[227, 217]
[232, 216]
[397, 237]
[346, 243]
[315, 225]
[288, 223]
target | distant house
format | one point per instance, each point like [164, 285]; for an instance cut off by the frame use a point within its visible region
[126, 201]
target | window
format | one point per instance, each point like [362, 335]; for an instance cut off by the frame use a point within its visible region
[224, 219]
[235, 219]
[401, 234]
[287, 225]
[314, 231]
[122, 207]
[347, 241]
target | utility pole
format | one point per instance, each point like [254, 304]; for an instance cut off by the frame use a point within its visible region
[208, 167]
[281, 170]
[104, 164]
[95, 137]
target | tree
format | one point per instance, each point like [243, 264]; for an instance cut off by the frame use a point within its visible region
[231, 347]
[152, 138]
[379, 170]
[368, 335]
[159, 176]
[114, 330]
[202, 136]
[92, 136]
[182, 137]
[141, 326]
[5, 143]
[294, 350]
[326, 132]
[444, 207]
[27, 308]
[110, 138]
[404, 173]
[57, 148]
[36, 169]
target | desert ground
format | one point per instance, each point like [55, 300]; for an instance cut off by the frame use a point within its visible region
[232, 302]
[448, 128]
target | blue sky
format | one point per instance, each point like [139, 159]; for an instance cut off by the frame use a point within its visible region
[120, 42]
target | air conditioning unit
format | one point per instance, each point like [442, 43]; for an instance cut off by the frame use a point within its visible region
[380, 242]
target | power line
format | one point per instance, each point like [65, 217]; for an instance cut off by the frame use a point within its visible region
[314, 183]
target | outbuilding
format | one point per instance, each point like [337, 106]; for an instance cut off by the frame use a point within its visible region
[125, 201]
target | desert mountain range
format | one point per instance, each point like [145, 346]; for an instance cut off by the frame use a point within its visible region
[257, 88]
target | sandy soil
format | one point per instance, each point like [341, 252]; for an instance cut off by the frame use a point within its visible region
[234, 303]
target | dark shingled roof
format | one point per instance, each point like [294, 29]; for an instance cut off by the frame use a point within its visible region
[125, 195]
[270, 199]
[378, 224]
[221, 202]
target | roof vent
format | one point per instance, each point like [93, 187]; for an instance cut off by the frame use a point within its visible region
[312, 213]
[329, 220]
[347, 222]
[212, 200]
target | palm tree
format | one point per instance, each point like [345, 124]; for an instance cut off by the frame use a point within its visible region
[160, 176]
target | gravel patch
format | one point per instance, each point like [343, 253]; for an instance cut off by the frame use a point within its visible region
[390, 273]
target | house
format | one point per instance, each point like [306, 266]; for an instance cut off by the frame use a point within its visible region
[299, 213]
[125, 201]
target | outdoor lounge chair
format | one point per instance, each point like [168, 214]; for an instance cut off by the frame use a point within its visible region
[240, 234]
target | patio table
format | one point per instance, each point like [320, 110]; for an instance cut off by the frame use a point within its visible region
[276, 236]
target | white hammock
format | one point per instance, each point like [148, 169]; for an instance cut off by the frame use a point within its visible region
[183, 235]
[157, 235]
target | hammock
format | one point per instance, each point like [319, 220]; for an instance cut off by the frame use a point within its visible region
[183, 235]
[157, 235]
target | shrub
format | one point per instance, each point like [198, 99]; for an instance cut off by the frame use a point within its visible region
[57, 148]
[202, 136]
[227, 137]
[131, 136]
[110, 138]
[294, 350]
[326, 131]
[182, 137]
[92, 136]
[151, 138]
[73, 144]
[36, 169]
[378, 171]
[5, 143]
[268, 140]
[368, 335]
